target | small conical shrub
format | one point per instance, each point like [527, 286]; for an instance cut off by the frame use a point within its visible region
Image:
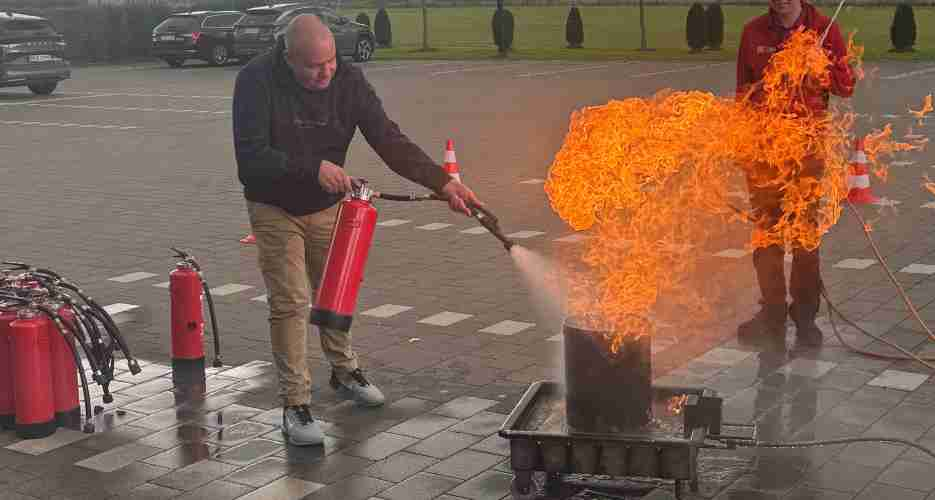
[714, 26]
[903, 29]
[502, 25]
[574, 29]
[695, 27]
[382, 29]
[363, 18]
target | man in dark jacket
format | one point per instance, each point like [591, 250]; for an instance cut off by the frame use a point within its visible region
[762, 37]
[295, 112]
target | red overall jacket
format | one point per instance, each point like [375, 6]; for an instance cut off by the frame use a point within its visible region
[763, 36]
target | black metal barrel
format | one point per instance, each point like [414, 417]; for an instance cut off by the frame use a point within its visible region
[605, 392]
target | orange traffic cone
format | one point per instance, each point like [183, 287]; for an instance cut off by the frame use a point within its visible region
[858, 179]
[451, 161]
[249, 239]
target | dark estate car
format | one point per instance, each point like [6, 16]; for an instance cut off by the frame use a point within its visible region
[205, 35]
[261, 27]
[32, 53]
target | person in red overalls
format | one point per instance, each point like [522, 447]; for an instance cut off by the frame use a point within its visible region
[762, 37]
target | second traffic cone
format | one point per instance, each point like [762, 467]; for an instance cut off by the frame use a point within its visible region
[248, 239]
[858, 177]
[451, 161]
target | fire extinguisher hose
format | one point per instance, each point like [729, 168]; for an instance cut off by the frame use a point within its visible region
[483, 215]
[99, 313]
[217, 363]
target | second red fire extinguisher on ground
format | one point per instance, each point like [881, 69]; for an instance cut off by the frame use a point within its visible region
[187, 291]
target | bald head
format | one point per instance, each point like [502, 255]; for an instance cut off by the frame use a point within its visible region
[310, 51]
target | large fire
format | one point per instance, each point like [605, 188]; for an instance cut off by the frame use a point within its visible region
[652, 178]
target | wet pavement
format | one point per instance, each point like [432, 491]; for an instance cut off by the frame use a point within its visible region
[138, 159]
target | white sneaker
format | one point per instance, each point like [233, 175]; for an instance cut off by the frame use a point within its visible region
[300, 428]
[357, 388]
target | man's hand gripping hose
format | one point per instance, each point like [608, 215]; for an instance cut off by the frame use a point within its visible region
[482, 214]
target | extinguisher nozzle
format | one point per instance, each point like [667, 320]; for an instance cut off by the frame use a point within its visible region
[217, 362]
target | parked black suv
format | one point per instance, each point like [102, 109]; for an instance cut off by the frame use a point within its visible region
[205, 35]
[32, 53]
[261, 27]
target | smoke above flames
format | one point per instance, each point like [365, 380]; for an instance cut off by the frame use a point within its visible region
[652, 179]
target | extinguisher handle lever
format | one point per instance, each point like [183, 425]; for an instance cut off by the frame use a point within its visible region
[179, 253]
[187, 257]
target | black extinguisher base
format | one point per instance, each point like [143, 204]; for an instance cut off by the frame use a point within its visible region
[36, 431]
[69, 419]
[7, 422]
[187, 372]
[329, 319]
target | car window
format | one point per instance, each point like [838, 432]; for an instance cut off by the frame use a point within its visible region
[32, 27]
[231, 19]
[221, 20]
[259, 18]
[178, 24]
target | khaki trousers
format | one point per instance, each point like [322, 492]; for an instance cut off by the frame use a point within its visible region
[291, 252]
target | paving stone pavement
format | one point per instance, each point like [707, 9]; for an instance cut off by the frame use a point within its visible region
[447, 326]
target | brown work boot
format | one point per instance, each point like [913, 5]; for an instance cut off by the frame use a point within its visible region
[807, 333]
[767, 327]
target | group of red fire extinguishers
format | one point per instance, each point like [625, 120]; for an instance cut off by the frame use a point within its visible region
[49, 327]
[45, 320]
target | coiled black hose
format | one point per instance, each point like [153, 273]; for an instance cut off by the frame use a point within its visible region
[98, 312]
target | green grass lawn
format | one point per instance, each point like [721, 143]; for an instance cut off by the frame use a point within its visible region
[613, 32]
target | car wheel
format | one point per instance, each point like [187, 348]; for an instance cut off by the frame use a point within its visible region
[364, 50]
[175, 62]
[44, 88]
[219, 55]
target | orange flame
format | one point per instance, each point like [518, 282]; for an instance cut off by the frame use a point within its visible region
[928, 184]
[926, 108]
[676, 404]
[652, 176]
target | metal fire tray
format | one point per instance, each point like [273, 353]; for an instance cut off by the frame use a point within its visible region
[666, 449]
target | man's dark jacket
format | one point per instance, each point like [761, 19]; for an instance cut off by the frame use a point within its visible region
[282, 132]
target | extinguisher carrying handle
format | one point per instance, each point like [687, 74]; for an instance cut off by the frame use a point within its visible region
[187, 257]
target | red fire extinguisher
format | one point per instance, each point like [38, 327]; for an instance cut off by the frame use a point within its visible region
[188, 323]
[7, 384]
[343, 271]
[187, 289]
[64, 371]
[32, 373]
